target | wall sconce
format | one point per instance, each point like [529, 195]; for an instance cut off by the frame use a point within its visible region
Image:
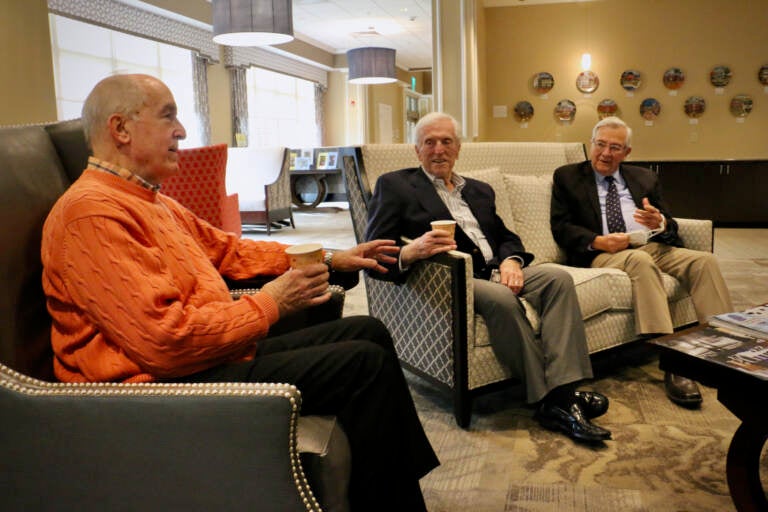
[252, 22]
[371, 65]
[586, 62]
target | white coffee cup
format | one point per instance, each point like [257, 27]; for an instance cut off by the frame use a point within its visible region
[445, 225]
[304, 254]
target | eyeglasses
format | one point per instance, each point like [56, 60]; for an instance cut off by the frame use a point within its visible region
[612, 148]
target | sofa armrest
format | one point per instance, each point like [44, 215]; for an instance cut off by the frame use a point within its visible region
[150, 446]
[697, 234]
[424, 314]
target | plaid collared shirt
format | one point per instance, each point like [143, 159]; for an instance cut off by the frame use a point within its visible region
[101, 165]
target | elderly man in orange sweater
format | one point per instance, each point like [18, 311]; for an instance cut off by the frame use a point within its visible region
[135, 289]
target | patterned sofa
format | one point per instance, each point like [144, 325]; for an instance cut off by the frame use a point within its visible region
[431, 316]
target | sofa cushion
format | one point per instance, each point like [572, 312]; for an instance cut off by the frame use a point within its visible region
[495, 179]
[529, 198]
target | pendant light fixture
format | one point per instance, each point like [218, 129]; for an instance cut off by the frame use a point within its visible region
[252, 22]
[371, 65]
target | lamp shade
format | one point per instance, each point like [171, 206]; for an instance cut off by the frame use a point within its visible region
[252, 22]
[371, 65]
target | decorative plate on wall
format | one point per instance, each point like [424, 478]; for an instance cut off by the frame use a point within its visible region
[631, 79]
[741, 105]
[523, 111]
[674, 78]
[650, 108]
[565, 110]
[762, 75]
[587, 82]
[695, 106]
[720, 76]
[607, 108]
[543, 82]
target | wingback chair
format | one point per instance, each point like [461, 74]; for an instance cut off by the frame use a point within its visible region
[96, 447]
[261, 176]
[200, 185]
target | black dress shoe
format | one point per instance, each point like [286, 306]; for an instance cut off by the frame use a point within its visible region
[681, 390]
[571, 422]
[592, 403]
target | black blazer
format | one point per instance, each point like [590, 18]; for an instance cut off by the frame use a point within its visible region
[575, 210]
[405, 202]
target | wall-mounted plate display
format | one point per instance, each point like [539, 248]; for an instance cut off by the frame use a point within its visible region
[587, 82]
[762, 75]
[631, 80]
[607, 108]
[650, 108]
[741, 105]
[565, 110]
[523, 111]
[695, 106]
[543, 82]
[674, 78]
[720, 76]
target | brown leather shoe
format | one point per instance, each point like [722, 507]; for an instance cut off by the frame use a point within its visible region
[682, 391]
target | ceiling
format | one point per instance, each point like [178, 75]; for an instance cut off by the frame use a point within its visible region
[339, 25]
[405, 25]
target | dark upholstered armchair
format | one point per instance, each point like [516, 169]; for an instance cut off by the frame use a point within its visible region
[96, 447]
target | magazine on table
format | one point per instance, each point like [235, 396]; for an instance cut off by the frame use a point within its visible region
[752, 322]
[744, 353]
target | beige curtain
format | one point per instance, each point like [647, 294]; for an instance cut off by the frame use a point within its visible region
[202, 106]
[239, 94]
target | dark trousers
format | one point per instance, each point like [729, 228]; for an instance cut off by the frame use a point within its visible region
[349, 368]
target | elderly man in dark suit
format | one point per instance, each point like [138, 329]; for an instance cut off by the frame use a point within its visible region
[403, 204]
[609, 214]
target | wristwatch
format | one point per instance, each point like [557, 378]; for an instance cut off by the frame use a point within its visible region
[327, 257]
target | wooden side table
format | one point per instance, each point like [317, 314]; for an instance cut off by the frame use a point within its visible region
[744, 394]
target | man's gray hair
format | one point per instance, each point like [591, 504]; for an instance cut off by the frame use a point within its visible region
[614, 122]
[430, 118]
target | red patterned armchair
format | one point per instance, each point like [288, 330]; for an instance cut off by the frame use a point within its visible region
[200, 185]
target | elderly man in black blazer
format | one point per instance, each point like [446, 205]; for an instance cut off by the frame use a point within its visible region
[403, 204]
[606, 213]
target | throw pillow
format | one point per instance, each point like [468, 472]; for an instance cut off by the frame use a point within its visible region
[495, 179]
[529, 199]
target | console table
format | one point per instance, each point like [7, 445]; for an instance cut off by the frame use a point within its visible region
[308, 187]
[744, 395]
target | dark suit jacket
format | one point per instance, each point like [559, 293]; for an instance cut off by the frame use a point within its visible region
[404, 202]
[575, 216]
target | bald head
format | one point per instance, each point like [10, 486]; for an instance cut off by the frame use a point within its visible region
[131, 121]
[118, 94]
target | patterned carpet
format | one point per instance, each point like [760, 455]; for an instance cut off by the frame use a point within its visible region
[662, 458]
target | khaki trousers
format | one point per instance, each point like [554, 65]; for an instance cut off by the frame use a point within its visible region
[697, 271]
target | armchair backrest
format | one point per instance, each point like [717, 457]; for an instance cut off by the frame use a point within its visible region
[261, 177]
[37, 164]
[200, 184]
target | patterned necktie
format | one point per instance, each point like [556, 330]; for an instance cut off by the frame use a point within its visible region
[613, 208]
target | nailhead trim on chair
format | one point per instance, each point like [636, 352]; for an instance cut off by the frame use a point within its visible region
[23, 384]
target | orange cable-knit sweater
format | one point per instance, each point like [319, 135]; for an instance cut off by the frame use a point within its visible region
[133, 282]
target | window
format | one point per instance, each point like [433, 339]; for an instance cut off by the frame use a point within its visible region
[281, 110]
[83, 54]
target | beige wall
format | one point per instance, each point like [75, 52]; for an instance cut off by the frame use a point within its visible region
[27, 90]
[647, 35]
[386, 94]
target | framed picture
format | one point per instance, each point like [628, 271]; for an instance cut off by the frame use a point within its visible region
[302, 161]
[292, 156]
[327, 159]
